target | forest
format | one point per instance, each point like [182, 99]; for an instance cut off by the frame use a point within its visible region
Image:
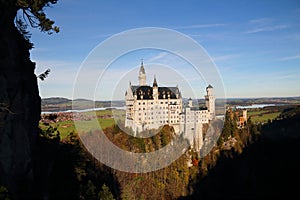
[262, 163]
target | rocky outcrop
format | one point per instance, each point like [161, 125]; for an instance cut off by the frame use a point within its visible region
[19, 109]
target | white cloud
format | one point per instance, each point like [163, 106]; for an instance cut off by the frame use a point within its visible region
[264, 25]
[267, 28]
[224, 57]
[200, 26]
[261, 21]
[196, 35]
[102, 35]
[290, 58]
[157, 57]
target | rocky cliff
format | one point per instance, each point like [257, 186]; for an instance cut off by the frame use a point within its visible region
[19, 108]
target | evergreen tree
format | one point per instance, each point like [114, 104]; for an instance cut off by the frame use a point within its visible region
[4, 193]
[89, 192]
[33, 13]
[105, 193]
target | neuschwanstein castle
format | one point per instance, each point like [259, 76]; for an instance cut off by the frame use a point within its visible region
[150, 107]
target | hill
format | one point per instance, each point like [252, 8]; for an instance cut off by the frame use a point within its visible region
[266, 169]
[262, 164]
[55, 104]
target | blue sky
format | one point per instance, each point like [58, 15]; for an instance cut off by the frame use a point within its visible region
[255, 44]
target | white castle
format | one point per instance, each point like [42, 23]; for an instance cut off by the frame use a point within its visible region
[150, 107]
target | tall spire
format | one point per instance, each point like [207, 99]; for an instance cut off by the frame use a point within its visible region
[142, 74]
[142, 69]
[154, 82]
[209, 86]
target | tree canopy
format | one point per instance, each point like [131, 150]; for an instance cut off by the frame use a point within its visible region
[33, 14]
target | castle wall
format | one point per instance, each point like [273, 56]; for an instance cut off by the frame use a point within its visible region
[152, 113]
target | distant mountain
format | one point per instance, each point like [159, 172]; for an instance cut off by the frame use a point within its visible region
[55, 104]
[61, 104]
[55, 100]
[263, 100]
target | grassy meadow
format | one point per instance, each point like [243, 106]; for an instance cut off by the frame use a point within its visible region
[107, 118]
[104, 118]
[262, 116]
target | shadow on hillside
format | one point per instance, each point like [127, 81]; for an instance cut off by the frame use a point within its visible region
[77, 175]
[267, 169]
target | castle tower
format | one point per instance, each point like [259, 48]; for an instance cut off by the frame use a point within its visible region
[245, 115]
[155, 89]
[210, 100]
[142, 75]
[190, 102]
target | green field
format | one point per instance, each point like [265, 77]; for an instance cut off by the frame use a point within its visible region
[262, 116]
[104, 119]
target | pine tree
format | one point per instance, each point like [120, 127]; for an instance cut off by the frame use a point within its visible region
[33, 13]
[105, 193]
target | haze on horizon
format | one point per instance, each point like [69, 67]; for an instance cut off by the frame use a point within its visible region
[254, 44]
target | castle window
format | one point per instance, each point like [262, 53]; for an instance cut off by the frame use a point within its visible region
[143, 103]
[139, 103]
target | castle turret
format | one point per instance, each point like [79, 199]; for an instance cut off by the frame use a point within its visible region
[245, 115]
[155, 89]
[142, 75]
[210, 100]
[190, 102]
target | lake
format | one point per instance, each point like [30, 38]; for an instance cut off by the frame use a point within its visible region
[255, 106]
[84, 110]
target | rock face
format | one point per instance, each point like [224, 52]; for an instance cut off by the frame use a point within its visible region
[19, 109]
